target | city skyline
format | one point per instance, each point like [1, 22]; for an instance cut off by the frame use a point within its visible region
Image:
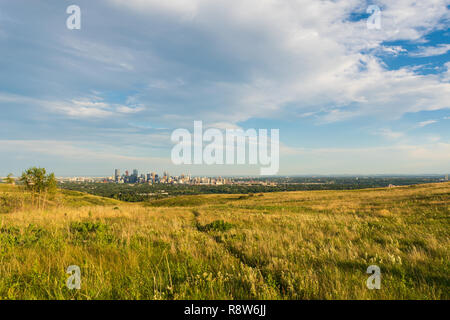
[150, 171]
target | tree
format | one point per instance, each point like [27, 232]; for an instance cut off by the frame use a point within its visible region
[39, 183]
[10, 179]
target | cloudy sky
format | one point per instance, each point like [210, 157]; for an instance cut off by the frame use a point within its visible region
[347, 99]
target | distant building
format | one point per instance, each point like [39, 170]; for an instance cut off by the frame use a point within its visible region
[166, 178]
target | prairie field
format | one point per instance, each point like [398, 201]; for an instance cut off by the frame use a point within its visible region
[290, 245]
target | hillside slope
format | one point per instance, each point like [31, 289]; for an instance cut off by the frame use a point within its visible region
[13, 198]
[292, 245]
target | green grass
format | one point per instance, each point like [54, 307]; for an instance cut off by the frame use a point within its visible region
[78, 199]
[292, 245]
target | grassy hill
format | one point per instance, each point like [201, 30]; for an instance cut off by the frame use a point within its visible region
[291, 245]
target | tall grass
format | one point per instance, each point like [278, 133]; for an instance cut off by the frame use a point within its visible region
[292, 245]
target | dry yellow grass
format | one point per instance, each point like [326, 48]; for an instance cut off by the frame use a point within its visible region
[292, 245]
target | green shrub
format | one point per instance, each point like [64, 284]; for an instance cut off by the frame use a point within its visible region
[91, 231]
[28, 236]
[87, 227]
[218, 225]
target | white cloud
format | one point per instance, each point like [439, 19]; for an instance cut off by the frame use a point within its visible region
[80, 108]
[125, 109]
[308, 53]
[177, 56]
[431, 51]
[223, 125]
[425, 123]
[186, 9]
[394, 50]
[388, 133]
[446, 73]
[92, 107]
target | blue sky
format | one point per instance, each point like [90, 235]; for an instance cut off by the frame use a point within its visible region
[346, 99]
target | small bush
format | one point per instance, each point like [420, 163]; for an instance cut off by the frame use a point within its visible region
[26, 237]
[97, 232]
[218, 225]
[87, 227]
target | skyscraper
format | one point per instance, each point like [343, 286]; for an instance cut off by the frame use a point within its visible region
[116, 175]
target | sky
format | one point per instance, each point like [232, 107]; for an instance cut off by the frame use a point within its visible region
[347, 99]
